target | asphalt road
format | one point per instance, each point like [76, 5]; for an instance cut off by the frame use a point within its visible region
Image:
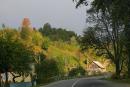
[86, 82]
[63, 83]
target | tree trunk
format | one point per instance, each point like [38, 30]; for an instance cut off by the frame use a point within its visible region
[0, 79]
[129, 64]
[127, 35]
[117, 69]
[14, 77]
[6, 81]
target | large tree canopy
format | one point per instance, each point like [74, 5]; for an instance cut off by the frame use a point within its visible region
[15, 56]
[119, 15]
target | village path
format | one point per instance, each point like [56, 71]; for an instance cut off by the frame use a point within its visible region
[86, 82]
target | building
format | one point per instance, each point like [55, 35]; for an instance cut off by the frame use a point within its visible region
[95, 67]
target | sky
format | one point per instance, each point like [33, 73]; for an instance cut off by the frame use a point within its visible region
[59, 13]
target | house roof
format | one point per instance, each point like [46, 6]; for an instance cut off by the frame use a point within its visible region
[99, 64]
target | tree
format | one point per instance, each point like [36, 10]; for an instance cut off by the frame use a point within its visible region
[47, 70]
[56, 34]
[26, 23]
[106, 34]
[79, 2]
[119, 11]
[11, 55]
[6, 37]
[26, 34]
[23, 58]
[3, 26]
[26, 30]
[104, 46]
[47, 26]
[78, 71]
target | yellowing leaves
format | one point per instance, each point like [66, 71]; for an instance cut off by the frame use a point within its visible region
[36, 49]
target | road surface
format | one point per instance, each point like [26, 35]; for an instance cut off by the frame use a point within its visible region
[86, 82]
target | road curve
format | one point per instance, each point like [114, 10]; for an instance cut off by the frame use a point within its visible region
[62, 83]
[98, 83]
[86, 82]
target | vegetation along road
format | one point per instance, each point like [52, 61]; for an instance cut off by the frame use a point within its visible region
[86, 82]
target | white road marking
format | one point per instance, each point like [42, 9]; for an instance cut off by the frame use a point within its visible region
[99, 77]
[75, 82]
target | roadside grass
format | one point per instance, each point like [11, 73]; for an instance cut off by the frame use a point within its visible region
[68, 78]
[36, 86]
[127, 81]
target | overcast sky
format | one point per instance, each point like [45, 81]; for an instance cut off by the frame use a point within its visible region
[59, 13]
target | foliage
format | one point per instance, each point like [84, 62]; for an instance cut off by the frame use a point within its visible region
[37, 38]
[46, 70]
[53, 56]
[26, 34]
[109, 25]
[119, 11]
[26, 23]
[79, 71]
[20, 50]
[11, 55]
[64, 53]
[56, 34]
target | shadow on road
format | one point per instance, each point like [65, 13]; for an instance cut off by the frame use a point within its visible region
[92, 83]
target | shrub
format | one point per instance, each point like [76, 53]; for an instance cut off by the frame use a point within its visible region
[79, 71]
[46, 70]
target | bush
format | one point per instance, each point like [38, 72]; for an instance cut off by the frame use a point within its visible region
[114, 76]
[79, 71]
[46, 70]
